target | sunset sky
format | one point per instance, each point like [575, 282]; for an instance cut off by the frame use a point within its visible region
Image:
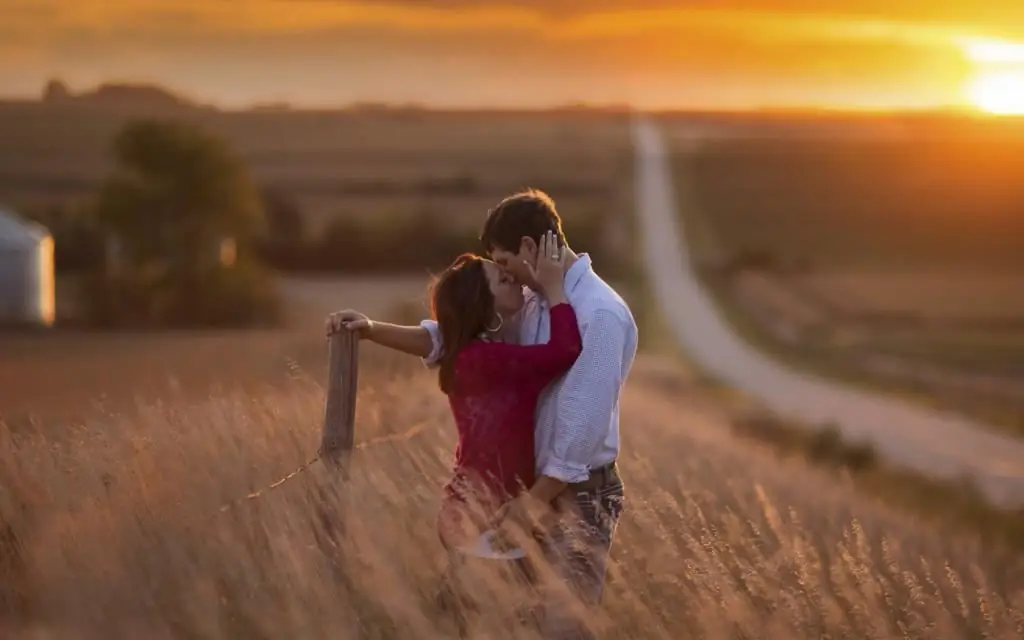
[688, 53]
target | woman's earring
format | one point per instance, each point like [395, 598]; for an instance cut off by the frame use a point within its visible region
[501, 321]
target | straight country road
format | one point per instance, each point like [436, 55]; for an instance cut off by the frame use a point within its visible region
[920, 438]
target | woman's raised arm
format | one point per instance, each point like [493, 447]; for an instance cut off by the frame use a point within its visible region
[414, 340]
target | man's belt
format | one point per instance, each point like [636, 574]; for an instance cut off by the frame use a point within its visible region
[599, 477]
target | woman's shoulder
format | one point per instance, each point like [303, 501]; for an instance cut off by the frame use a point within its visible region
[476, 352]
[468, 351]
[475, 348]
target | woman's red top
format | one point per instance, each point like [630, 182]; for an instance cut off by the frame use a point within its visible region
[494, 402]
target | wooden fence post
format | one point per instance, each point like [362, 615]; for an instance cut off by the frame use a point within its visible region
[340, 406]
[336, 446]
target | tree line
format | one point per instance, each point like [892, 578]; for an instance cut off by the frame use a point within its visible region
[180, 235]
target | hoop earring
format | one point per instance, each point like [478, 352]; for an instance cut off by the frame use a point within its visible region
[501, 322]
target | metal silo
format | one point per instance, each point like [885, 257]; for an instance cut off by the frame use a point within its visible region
[27, 295]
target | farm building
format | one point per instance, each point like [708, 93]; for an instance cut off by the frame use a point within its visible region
[27, 295]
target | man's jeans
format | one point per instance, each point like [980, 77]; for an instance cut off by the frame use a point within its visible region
[578, 550]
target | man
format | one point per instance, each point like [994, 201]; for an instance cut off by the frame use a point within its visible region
[577, 431]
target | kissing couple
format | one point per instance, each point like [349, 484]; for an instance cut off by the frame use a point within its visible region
[532, 349]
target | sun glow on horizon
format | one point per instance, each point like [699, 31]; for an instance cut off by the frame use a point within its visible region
[998, 92]
[998, 52]
[998, 86]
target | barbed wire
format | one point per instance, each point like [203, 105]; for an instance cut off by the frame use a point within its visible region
[408, 434]
[256, 494]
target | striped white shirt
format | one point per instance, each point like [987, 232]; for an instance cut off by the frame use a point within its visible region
[578, 415]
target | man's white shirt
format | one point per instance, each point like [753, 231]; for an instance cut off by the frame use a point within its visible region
[578, 416]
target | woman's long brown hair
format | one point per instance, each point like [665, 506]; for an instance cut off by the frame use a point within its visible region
[463, 306]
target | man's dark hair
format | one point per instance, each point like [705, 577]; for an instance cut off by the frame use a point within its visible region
[530, 213]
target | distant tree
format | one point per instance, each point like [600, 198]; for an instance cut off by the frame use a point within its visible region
[56, 91]
[285, 222]
[178, 193]
[148, 97]
[185, 218]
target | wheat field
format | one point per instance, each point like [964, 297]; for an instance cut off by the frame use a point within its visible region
[119, 532]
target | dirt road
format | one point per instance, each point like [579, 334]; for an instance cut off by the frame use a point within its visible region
[926, 440]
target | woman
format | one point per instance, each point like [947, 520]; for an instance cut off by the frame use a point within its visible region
[493, 387]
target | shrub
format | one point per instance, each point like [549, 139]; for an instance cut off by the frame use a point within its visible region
[244, 295]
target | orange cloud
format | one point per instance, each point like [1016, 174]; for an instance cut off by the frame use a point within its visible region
[257, 15]
[795, 18]
[986, 15]
[252, 48]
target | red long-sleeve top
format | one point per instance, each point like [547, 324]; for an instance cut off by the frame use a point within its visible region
[494, 402]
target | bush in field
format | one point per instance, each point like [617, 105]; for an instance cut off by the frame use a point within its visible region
[182, 219]
[425, 241]
[245, 295]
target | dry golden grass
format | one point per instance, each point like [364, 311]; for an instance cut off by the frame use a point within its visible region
[772, 298]
[966, 362]
[122, 535]
[930, 294]
[934, 194]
